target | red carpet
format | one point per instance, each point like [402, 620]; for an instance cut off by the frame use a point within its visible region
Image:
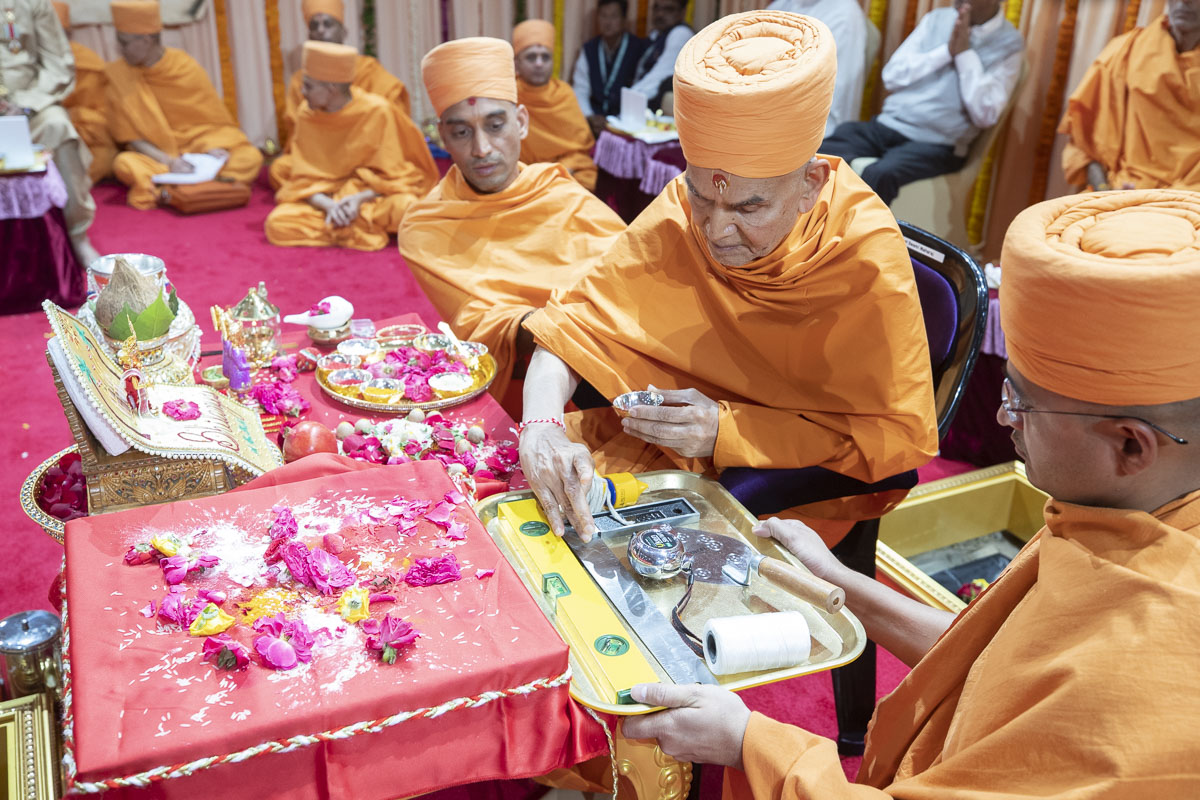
[214, 259]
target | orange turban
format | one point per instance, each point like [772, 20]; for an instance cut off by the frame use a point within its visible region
[64, 13]
[325, 61]
[753, 91]
[334, 8]
[136, 16]
[531, 32]
[477, 66]
[1100, 299]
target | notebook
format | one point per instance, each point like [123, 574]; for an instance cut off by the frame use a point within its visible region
[16, 145]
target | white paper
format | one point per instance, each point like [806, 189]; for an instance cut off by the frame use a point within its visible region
[633, 109]
[16, 146]
[206, 169]
[643, 133]
[113, 443]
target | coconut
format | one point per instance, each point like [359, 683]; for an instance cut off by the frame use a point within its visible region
[127, 288]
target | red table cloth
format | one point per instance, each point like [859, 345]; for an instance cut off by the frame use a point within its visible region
[140, 696]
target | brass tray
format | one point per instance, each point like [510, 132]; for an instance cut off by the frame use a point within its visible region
[838, 638]
[484, 375]
[53, 526]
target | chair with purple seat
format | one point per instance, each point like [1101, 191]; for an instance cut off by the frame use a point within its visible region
[954, 303]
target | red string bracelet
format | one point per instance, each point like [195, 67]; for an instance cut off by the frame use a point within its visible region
[521, 426]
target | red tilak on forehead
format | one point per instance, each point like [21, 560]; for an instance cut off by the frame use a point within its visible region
[720, 182]
[470, 101]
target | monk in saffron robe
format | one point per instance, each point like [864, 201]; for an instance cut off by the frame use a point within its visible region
[767, 293]
[86, 104]
[1069, 676]
[558, 130]
[326, 21]
[496, 237]
[162, 105]
[1133, 118]
[357, 161]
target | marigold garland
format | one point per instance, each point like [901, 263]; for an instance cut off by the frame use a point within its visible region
[228, 82]
[1054, 100]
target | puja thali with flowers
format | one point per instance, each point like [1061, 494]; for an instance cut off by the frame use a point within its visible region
[383, 376]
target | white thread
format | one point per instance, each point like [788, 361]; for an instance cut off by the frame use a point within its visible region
[612, 748]
[756, 642]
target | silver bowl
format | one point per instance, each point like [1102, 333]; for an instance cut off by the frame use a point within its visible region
[100, 271]
[624, 403]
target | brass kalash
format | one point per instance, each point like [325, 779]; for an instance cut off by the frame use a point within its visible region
[132, 453]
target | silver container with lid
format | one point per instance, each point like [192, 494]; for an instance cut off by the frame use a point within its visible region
[31, 644]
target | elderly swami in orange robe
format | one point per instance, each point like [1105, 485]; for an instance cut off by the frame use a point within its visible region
[496, 237]
[1133, 119]
[86, 103]
[162, 105]
[767, 291]
[357, 161]
[558, 130]
[326, 21]
[1071, 675]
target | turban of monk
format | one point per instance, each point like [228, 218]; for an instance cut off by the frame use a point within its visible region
[1101, 296]
[64, 13]
[334, 8]
[477, 66]
[752, 92]
[325, 61]
[136, 16]
[531, 32]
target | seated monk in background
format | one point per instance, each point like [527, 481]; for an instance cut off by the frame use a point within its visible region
[1134, 118]
[1070, 675]
[326, 21]
[357, 161]
[496, 237]
[766, 292]
[162, 105]
[86, 104]
[558, 130]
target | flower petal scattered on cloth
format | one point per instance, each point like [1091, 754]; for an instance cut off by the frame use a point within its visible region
[181, 410]
[355, 604]
[295, 557]
[225, 652]
[283, 644]
[484, 573]
[174, 568]
[393, 634]
[210, 621]
[434, 570]
[328, 574]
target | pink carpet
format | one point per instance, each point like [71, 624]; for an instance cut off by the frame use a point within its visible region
[214, 259]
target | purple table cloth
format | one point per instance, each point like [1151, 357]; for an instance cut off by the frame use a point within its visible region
[37, 261]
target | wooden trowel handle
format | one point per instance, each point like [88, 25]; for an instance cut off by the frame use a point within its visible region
[804, 585]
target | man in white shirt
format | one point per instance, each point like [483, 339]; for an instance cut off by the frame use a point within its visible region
[656, 67]
[950, 79]
[848, 24]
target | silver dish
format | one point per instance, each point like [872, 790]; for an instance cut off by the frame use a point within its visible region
[625, 402]
[358, 347]
[450, 382]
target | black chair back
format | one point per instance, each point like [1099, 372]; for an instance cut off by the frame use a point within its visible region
[954, 302]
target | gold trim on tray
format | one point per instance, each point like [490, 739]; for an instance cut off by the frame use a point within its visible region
[27, 732]
[53, 526]
[484, 375]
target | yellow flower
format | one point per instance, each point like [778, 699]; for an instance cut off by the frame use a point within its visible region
[211, 621]
[167, 545]
[354, 604]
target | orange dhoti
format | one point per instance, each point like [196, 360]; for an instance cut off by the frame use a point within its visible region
[303, 225]
[173, 106]
[86, 105]
[558, 131]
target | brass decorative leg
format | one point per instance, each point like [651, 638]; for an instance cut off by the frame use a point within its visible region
[647, 773]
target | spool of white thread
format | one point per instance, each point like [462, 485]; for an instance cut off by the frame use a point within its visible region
[756, 642]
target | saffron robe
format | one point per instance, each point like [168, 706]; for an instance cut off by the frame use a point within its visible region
[488, 260]
[367, 144]
[1069, 677]
[1136, 112]
[558, 131]
[173, 106]
[816, 352]
[86, 107]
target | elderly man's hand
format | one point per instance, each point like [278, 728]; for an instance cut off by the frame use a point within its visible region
[342, 213]
[701, 723]
[960, 37]
[219, 152]
[559, 471]
[805, 544]
[181, 166]
[686, 423]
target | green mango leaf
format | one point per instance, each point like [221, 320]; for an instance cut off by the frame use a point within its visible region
[155, 321]
[173, 302]
[122, 325]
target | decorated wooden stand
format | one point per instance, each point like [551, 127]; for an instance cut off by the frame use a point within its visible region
[161, 459]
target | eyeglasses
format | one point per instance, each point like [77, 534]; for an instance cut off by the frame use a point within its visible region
[1011, 404]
